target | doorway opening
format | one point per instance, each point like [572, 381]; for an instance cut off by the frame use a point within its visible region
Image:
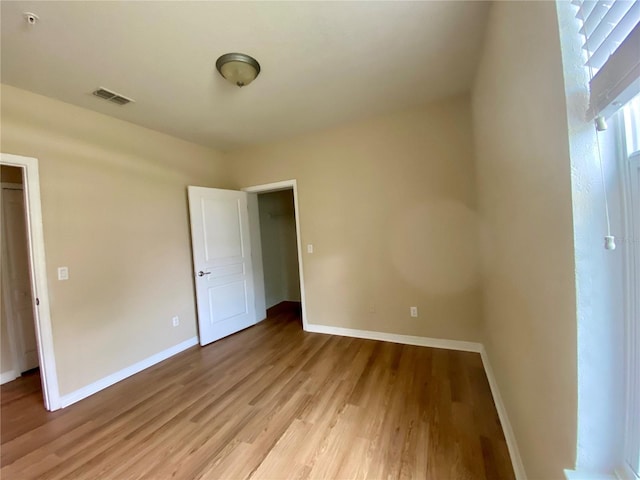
[279, 251]
[17, 323]
[279, 277]
[27, 339]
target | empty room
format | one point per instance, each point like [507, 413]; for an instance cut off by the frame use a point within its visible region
[324, 240]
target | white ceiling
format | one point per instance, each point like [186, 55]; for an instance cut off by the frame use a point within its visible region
[323, 63]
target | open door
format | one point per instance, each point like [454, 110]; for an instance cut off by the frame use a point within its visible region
[221, 261]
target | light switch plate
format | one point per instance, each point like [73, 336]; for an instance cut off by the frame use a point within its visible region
[309, 248]
[63, 273]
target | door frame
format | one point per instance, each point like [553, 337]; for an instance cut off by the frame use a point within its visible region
[276, 187]
[38, 276]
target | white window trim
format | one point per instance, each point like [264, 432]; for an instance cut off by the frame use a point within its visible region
[630, 172]
[584, 161]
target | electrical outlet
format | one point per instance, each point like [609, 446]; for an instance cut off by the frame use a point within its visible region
[175, 321]
[413, 311]
[372, 309]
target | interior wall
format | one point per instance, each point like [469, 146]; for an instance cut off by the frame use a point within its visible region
[115, 212]
[279, 247]
[524, 194]
[389, 206]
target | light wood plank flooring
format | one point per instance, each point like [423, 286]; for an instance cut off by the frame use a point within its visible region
[269, 402]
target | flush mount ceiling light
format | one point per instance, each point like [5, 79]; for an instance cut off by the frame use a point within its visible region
[238, 68]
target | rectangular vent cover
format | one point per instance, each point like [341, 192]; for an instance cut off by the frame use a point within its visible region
[112, 96]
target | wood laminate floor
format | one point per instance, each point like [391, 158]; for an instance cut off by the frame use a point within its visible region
[269, 402]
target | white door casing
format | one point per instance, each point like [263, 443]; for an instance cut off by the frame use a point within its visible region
[38, 266]
[222, 262]
[256, 257]
[259, 280]
[16, 280]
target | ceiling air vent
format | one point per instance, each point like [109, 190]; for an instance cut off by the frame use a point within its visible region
[112, 96]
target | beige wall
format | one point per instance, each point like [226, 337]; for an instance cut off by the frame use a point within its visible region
[524, 194]
[279, 247]
[389, 205]
[115, 212]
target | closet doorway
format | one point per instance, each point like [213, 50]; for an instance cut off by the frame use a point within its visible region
[278, 272]
[279, 249]
[19, 344]
[27, 338]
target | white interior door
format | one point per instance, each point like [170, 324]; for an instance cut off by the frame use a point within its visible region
[222, 262]
[15, 262]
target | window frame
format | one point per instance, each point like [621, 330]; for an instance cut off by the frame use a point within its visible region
[629, 168]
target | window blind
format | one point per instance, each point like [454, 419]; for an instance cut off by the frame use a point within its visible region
[611, 29]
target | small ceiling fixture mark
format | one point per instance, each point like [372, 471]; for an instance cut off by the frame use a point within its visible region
[31, 18]
[112, 97]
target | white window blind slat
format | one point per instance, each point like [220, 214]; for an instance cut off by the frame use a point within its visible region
[588, 7]
[615, 37]
[593, 18]
[618, 81]
[584, 8]
[612, 45]
[602, 30]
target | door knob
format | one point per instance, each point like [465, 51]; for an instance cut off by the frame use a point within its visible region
[202, 274]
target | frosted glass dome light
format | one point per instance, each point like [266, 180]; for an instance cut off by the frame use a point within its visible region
[238, 68]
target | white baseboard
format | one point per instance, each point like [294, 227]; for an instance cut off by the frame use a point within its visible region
[116, 377]
[8, 376]
[476, 347]
[396, 338]
[582, 475]
[622, 473]
[514, 453]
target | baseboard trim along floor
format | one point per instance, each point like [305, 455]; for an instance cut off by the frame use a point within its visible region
[120, 375]
[8, 376]
[396, 338]
[476, 347]
[516, 460]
